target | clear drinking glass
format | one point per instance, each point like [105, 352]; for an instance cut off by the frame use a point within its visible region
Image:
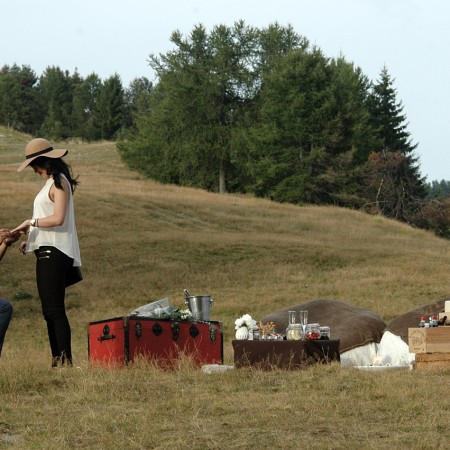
[292, 317]
[303, 321]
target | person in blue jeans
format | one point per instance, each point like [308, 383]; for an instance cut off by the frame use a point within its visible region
[6, 309]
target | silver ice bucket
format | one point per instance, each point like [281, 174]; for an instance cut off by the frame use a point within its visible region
[200, 306]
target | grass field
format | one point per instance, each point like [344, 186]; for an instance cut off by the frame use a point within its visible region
[142, 241]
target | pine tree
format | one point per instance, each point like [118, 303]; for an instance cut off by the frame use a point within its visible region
[312, 132]
[84, 108]
[394, 181]
[19, 107]
[109, 108]
[55, 95]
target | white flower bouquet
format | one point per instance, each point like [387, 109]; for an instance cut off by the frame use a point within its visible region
[185, 314]
[245, 321]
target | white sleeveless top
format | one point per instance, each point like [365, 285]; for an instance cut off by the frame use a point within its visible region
[63, 237]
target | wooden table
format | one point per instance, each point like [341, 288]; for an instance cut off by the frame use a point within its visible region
[284, 354]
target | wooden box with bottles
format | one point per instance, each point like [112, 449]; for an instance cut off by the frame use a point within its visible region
[431, 360]
[429, 340]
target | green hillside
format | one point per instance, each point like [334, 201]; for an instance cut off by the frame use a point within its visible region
[142, 241]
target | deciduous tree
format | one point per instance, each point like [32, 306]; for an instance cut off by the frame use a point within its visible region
[204, 99]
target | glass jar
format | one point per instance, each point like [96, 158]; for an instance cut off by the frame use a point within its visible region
[312, 332]
[294, 332]
[325, 333]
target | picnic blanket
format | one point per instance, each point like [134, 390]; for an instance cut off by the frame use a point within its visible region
[352, 325]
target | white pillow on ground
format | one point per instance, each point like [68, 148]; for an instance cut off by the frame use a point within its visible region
[360, 356]
[393, 350]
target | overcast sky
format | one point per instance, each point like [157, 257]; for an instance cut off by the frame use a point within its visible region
[410, 37]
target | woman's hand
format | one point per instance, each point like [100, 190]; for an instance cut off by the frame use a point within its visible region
[23, 227]
[22, 247]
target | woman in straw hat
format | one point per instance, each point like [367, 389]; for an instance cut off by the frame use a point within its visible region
[52, 236]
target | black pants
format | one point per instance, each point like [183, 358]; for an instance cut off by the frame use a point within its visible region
[51, 268]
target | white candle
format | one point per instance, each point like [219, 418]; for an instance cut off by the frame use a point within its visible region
[447, 305]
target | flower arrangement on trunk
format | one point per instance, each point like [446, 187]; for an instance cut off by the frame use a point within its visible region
[172, 314]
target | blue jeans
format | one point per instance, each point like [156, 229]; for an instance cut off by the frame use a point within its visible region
[6, 311]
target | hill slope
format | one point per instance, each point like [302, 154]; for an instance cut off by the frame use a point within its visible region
[142, 241]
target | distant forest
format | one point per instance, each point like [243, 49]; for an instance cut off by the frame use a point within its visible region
[248, 110]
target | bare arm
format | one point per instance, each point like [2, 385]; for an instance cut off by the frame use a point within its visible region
[3, 244]
[6, 239]
[60, 197]
[3, 248]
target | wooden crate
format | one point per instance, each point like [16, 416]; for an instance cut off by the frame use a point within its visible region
[429, 340]
[429, 360]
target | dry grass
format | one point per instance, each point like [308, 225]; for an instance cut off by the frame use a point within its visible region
[142, 241]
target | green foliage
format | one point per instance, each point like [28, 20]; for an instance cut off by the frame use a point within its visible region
[204, 101]
[240, 109]
[248, 110]
[438, 189]
[136, 99]
[394, 183]
[109, 108]
[85, 97]
[19, 107]
[22, 295]
[312, 129]
[59, 105]
[55, 96]
[387, 116]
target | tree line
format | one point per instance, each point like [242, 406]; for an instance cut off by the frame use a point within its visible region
[60, 105]
[243, 109]
[439, 189]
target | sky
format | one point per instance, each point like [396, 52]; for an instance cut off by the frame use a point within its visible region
[108, 37]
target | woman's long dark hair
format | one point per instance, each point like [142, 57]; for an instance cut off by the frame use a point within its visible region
[55, 167]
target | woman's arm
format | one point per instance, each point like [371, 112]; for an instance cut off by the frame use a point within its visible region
[60, 197]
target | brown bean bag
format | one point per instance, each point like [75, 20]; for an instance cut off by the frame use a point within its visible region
[353, 325]
[399, 326]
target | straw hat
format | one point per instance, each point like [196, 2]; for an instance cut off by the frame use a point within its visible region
[40, 147]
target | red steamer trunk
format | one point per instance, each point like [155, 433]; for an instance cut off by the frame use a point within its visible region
[165, 341]
[124, 339]
[108, 342]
